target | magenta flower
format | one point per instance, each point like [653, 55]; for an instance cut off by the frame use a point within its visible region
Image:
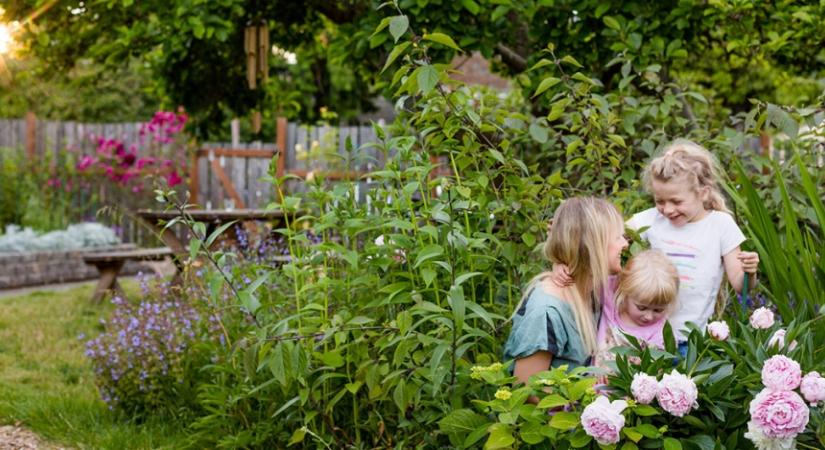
[603, 420]
[779, 414]
[173, 178]
[780, 373]
[85, 162]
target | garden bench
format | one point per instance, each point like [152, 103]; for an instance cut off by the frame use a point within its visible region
[109, 263]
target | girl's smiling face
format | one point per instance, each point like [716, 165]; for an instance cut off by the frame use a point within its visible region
[676, 200]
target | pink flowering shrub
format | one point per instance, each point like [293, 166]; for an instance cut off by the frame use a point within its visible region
[159, 152]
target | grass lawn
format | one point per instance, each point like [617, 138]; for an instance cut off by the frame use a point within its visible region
[47, 384]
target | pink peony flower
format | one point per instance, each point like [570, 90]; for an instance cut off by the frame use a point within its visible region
[677, 394]
[779, 414]
[719, 330]
[780, 373]
[644, 388]
[778, 339]
[762, 318]
[603, 420]
[813, 388]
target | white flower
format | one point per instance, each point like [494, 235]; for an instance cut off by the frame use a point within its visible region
[644, 388]
[778, 339]
[762, 442]
[719, 330]
[762, 318]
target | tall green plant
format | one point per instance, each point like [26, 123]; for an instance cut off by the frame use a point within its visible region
[793, 254]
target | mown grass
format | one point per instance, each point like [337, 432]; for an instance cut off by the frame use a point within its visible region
[47, 384]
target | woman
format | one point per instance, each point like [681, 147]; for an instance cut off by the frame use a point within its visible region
[554, 325]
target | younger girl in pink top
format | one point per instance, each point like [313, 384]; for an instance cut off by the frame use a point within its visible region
[637, 302]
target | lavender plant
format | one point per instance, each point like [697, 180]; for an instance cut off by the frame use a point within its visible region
[144, 359]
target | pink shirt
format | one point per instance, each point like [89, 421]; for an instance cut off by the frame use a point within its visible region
[612, 327]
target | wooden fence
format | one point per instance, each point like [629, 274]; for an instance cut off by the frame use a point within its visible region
[221, 175]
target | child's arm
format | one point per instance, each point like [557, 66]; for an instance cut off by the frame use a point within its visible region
[737, 263]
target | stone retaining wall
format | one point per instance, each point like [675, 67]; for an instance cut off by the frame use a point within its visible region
[32, 269]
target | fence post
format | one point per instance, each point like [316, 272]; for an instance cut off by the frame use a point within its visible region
[281, 142]
[31, 136]
[193, 178]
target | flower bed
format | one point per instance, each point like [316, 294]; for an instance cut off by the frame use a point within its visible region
[32, 269]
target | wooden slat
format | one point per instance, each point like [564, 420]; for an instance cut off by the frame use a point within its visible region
[238, 152]
[227, 183]
[282, 146]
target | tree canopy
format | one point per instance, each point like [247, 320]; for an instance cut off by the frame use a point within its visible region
[729, 51]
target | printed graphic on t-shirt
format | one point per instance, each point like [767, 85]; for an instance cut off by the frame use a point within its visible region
[684, 256]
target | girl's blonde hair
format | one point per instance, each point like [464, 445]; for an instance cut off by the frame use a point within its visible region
[684, 159]
[581, 232]
[650, 279]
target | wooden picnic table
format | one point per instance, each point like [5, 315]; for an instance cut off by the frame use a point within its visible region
[213, 218]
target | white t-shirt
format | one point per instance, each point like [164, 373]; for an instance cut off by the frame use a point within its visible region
[696, 249]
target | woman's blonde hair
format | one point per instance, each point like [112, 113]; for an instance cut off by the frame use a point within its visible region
[581, 232]
[650, 279]
[684, 159]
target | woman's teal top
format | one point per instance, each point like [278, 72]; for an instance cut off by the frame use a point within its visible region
[545, 322]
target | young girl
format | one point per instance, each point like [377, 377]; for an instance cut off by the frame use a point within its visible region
[692, 226]
[637, 302]
[555, 325]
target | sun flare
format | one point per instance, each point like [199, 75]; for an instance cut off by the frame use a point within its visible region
[5, 38]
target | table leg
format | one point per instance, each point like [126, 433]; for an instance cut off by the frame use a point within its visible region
[108, 280]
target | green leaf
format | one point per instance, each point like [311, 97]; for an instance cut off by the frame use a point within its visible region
[457, 304]
[219, 232]
[632, 434]
[332, 358]
[564, 420]
[538, 133]
[542, 62]
[782, 120]
[528, 238]
[546, 84]
[442, 39]
[645, 410]
[572, 61]
[672, 444]
[427, 253]
[530, 433]
[353, 387]
[398, 26]
[501, 436]
[472, 6]
[397, 51]
[297, 436]
[427, 78]
[428, 275]
[553, 401]
[703, 441]
[611, 22]
[648, 430]
[461, 421]
[459, 280]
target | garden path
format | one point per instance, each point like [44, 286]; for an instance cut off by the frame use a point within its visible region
[14, 437]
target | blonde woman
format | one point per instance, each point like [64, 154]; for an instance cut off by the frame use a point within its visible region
[555, 325]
